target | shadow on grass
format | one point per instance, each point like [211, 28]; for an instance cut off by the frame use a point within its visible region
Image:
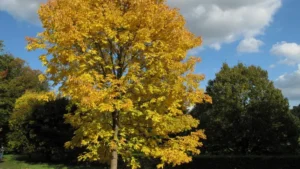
[243, 162]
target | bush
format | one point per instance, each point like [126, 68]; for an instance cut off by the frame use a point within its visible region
[38, 127]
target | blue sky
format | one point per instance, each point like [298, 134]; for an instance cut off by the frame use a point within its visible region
[255, 32]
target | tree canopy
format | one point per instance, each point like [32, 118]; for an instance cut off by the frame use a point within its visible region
[37, 126]
[15, 78]
[123, 64]
[296, 111]
[248, 115]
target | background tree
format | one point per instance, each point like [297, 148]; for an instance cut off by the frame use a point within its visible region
[248, 115]
[296, 111]
[15, 78]
[123, 64]
[19, 121]
[37, 126]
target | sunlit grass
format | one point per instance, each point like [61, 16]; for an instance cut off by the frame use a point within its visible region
[12, 162]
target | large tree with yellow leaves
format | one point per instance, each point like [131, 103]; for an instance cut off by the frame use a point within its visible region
[123, 63]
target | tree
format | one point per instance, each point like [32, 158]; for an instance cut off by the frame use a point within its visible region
[248, 115]
[123, 64]
[296, 111]
[19, 121]
[37, 126]
[1, 46]
[15, 78]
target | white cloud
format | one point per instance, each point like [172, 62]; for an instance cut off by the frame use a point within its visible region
[272, 66]
[290, 84]
[290, 52]
[217, 21]
[195, 51]
[216, 46]
[225, 21]
[22, 9]
[249, 45]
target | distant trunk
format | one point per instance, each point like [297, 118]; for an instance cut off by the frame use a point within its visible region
[114, 153]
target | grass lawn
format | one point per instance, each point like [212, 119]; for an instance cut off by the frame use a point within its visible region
[13, 162]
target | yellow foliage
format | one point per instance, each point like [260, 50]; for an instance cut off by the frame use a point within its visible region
[42, 78]
[25, 104]
[124, 59]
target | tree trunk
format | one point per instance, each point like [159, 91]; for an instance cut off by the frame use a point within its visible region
[114, 153]
[114, 160]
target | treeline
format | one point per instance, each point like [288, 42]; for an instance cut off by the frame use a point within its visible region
[248, 115]
[31, 117]
[16, 77]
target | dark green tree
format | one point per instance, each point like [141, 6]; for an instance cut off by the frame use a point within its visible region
[15, 78]
[296, 111]
[248, 115]
[38, 127]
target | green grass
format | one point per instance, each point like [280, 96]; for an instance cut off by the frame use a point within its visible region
[203, 162]
[14, 162]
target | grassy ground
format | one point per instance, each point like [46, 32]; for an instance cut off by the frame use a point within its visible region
[14, 162]
[243, 162]
[203, 162]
